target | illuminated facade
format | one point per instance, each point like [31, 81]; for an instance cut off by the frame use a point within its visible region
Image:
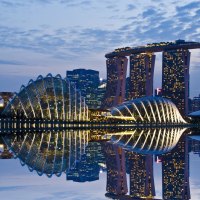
[141, 75]
[48, 98]
[88, 167]
[148, 110]
[195, 104]
[148, 141]
[141, 175]
[87, 82]
[175, 77]
[49, 152]
[116, 81]
[175, 172]
[116, 171]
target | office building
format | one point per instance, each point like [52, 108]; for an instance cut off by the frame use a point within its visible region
[87, 82]
[88, 167]
[175, 77]
[195, 104]
[141, 75]
[116, 81]
[101, 90]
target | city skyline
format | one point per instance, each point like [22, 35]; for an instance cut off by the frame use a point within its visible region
[62, 35]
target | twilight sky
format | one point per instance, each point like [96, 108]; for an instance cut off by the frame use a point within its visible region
[42, 36]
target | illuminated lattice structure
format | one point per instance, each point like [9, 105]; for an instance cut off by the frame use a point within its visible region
[148, 110]
[148, 141]
[49, 153]
[48, 98]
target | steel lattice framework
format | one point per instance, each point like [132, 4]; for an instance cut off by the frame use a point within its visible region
[49, 153]
[48, 98]
[148, 141]
[148, 110]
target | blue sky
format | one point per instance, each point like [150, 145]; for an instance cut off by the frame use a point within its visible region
[42, 36]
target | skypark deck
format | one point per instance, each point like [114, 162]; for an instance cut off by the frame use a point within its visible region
[154, 47]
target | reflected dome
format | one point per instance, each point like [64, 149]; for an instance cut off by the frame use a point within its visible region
[48, 98]
[48, 153]
[148, 141]
[149, 110]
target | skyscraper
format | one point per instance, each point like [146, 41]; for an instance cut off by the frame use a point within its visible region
[87, 81]
[175, 77]
[100, 93]
[141, 175]
[116, 81]
[88, 167]
[116, 170]
[175, 172]
[195, 104]
[141, 75]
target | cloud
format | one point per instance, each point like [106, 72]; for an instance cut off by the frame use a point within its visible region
[130, 7]
[10, 62]
[188, 7]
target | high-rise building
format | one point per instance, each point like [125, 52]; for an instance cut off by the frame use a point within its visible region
[194, 146]
[88, 167]
[175, 172]
[101, 90]
[87, 81]
[141, 175]
[195, 104]
[175, 77]
[116, 81]
[141, 75]
[116, 170]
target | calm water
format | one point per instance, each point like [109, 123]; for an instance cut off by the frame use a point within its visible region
[84, 164]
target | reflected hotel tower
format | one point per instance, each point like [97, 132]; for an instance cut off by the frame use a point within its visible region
[173, 156]
[175, 72]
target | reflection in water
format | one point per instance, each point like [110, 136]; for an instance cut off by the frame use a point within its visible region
[148, 141]
[175, 172]
[82, 157]
[137, 148]
[49, 153]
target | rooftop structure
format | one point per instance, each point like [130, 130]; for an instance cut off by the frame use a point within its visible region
[154, 47]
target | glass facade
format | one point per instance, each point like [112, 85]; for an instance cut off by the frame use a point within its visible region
[87, 82]
[148, 141]
[48, 98]
[49, 152]
[148, 110]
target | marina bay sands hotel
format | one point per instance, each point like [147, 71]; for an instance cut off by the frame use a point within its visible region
[175, 72]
